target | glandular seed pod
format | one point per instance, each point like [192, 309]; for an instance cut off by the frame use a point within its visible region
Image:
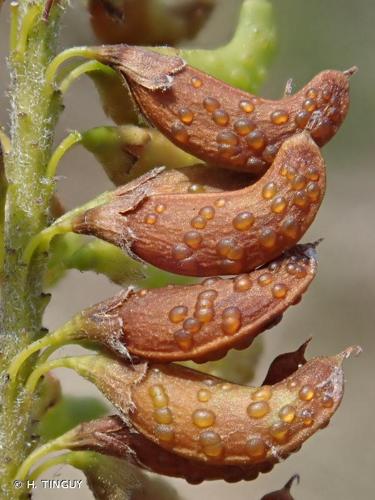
[221, 124]
[208, 234]
[200, 322]
[206, 419]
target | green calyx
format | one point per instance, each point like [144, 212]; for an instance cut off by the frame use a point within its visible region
[128, 151]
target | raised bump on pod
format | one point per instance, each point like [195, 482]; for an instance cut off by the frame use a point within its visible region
[228, 313]
[111, 436]
[244, 231]
[137, 390]
[254, 127]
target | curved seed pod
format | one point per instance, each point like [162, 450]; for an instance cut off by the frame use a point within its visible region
[200, 322]
[148, 22]
[213, 421]
[112, 436]
[233, 233]
[219, 123]
[284, 493]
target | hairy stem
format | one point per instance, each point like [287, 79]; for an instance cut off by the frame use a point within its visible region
[34, 113]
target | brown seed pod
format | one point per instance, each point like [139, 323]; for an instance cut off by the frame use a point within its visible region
[284, 493]
[148, 22]
[201, 322]
[207, 419]
[209, 234]
[219, 123]
[112, 436]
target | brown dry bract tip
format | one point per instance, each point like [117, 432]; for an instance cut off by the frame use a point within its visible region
[285, 364]
[210, 234]
[144, 69]
[284, 493]
[224, 125]
[202, 322]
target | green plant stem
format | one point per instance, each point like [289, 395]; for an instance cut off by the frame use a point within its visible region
[70, 140]
[33, 117]
[53, 340]
[27, 23]
[64, 56]
[32, 382]
[65, 459]
[63, 225]
[80, 70]
[38, 454]
[14, 13]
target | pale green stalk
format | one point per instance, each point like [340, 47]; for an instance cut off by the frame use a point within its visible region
[33, 116]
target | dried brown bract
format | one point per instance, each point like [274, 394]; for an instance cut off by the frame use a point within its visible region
[208, 234]
[224, 125]
[286, 364]
[284, 493]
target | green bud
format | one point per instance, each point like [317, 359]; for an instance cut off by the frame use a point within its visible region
[128, 151]
[114, 95]
[72, 251]
[111, 478]
[49, 395]
[110, 147]
[108, 478]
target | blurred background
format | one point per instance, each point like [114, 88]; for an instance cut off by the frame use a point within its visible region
[338, 462]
